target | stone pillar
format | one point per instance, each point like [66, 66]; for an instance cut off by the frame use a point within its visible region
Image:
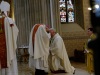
[56, 15]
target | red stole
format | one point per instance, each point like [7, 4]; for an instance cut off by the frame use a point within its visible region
[33, 35]
[3, 49]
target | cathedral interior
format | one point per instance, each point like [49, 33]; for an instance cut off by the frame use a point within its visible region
[72, 25]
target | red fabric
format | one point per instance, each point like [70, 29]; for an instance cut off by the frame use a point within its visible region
[3, 50]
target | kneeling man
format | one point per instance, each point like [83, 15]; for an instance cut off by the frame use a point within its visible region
[58, 55]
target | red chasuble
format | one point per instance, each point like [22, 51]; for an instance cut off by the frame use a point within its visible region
[3, 49]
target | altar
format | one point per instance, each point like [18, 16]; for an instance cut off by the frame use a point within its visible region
[22, 54]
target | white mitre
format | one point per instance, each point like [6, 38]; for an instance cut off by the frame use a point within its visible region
[5, 6]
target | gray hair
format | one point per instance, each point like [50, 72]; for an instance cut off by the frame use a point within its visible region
[52, 29]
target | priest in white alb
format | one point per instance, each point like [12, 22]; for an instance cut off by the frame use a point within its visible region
[8, 46]
[39, 49]
[59, 61]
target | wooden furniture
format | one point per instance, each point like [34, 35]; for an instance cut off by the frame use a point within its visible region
[79, 56]
[22, 54]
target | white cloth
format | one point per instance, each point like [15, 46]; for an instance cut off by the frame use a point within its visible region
[59, 53]
[5, 6]
[39, 58]
[11, 38]
[12, 70]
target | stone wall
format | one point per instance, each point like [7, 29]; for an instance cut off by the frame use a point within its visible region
[75, 40]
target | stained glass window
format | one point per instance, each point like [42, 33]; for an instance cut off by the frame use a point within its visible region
[66, 11]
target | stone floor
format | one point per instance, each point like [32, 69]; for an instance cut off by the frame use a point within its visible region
[80, 69]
